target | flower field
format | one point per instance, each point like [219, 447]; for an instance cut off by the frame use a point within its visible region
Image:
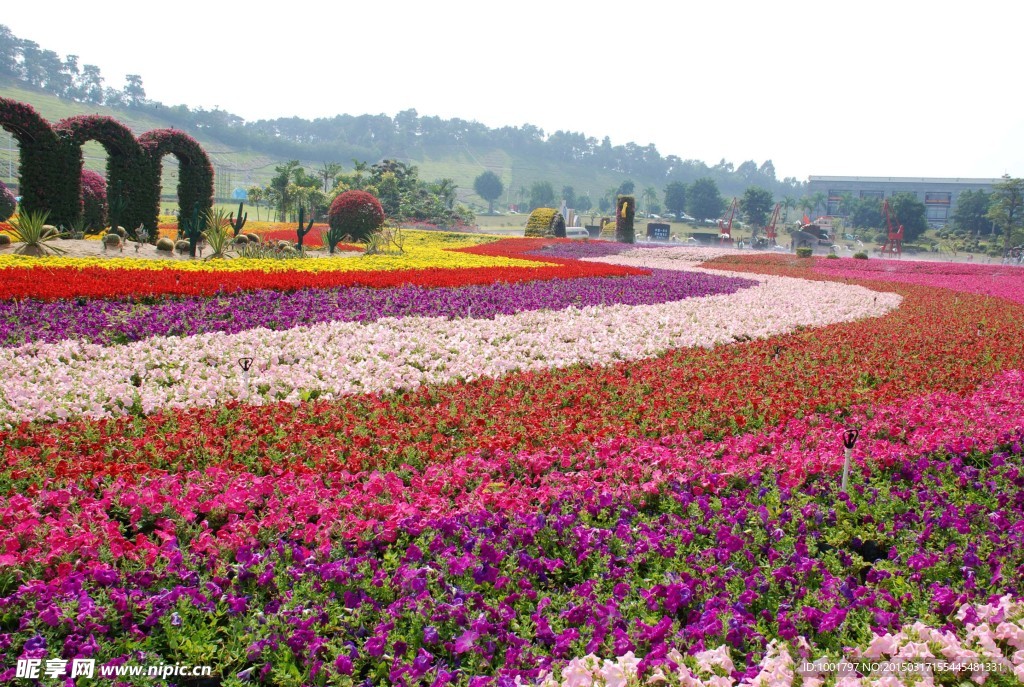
[510, 462]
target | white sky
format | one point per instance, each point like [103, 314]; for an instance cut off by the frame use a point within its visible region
[870, 88]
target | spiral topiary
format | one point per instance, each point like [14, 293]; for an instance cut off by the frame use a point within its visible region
[94, 200]
[8, 204]
[356, 214]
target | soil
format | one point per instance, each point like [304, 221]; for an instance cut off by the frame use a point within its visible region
[85, 248]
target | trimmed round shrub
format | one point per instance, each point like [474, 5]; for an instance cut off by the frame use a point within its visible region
[804, 252]
[112, 240]
[181, 246]
[860, 256]
[357, 214]
[832, 256]
[5, 240]
[49, 230]
[545, 222]
[165, 244]
[241, 240]
[120, 231]
[94, 200]
[7, 203]
[253, 238]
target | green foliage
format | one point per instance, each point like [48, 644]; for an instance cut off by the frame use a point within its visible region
[971, 213]
[8, 204]
[864, 213]
[1007, 210]
[545, 222]
[705, 202]
[542, 195]
[625, 211]
[910, 212]
[217, 234]
[675, 198]
[755, 205]
[385, 241]
[30, 229]
[860, 256]
[165, 244]
[804, 252]
[489, 187]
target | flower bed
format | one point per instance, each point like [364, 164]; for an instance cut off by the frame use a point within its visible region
[653, 481]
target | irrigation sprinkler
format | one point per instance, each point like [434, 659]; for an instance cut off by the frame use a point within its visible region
[849, 440]
[245, 364]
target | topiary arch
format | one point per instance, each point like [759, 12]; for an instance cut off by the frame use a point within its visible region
[43, 179]
[195, 173]
[51, 166]
[127, 174]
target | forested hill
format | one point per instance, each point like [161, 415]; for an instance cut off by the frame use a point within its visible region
[247, 151]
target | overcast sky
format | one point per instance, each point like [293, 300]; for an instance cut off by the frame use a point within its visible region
[854, 88]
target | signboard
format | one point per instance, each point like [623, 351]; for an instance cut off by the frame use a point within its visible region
[658, 231]
[239, 194]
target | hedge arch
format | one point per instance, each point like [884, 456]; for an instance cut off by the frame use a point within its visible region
[127, 165]
[195, 173]
[43, 180]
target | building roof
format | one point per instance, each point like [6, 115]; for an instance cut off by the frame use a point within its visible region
[906, 180]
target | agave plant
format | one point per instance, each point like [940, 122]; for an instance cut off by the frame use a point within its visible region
[218, 235]
[30, 229]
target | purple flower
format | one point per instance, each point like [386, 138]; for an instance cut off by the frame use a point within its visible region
[466, 641]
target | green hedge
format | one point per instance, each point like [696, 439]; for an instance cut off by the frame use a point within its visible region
[51, 165]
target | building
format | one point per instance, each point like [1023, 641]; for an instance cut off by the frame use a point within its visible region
[938, 195]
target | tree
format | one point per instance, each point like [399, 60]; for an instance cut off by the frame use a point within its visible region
[255, 195]
[542, 195]
[767, 170]
[675, 198]
[604, 204]
[705, 202]
[569, 196]
[328, 172]
[280, 191]
[910, 212]
[820, 201]
[866, 213]
[489, 187]
[9, 46]
[134, 93]
[625, 188]
[807, 204]
[91, 84]
[583, 204]
[788, 203]
[971, 212]
[650, 196]
[1006, 211]
[755, 205]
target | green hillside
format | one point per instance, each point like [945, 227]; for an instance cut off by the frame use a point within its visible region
[236, 167]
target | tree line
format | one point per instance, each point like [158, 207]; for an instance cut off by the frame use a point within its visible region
[371, 137]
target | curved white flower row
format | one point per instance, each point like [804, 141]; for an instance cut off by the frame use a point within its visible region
[918, 655]
[71, 379]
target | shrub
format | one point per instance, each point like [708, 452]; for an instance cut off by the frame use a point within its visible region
[860, 256]
[181, 246]
[545, 222]
[804, 252]
[7, 203]
[29, 228]
[112, 240]
[832, 256]
[165, 244]
[357, 214]
[94, 200]
[241, 240]
[5, 240]
[253, 238]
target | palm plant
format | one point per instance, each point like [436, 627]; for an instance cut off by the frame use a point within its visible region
[30, 229]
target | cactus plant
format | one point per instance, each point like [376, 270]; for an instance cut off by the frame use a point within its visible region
[241, 240]
[112, 240]
[193, 229]
[165, 244]
[253, 238]
[181, 246]
[237, 224]
[5, 240]
[301, 232]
